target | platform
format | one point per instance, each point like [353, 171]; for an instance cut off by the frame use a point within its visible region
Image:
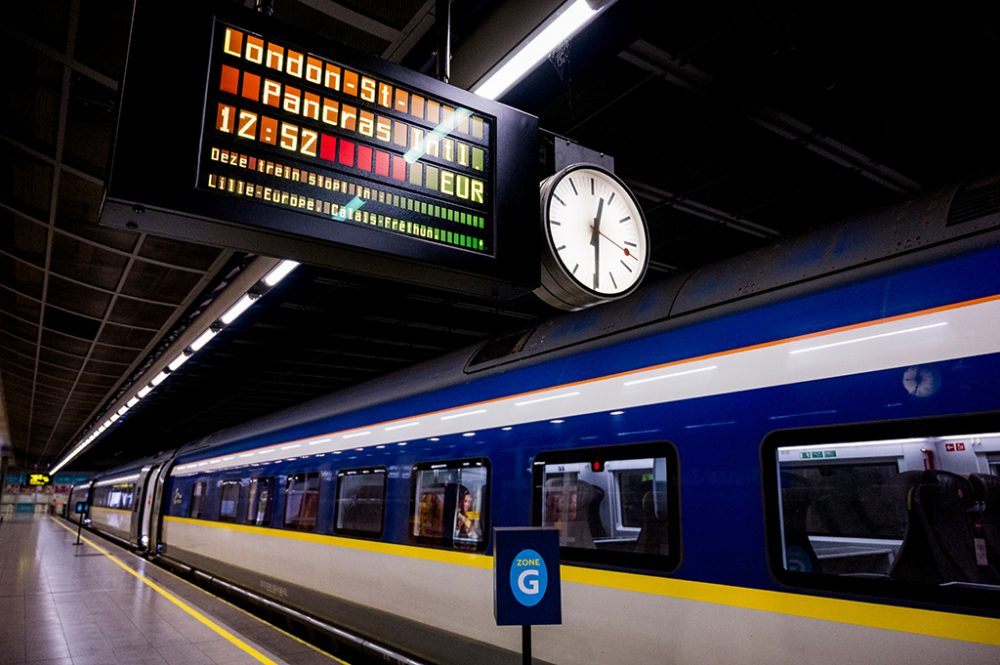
[97, 604]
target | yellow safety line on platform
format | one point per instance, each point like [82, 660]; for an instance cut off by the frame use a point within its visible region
[215, 628]
[253, 616]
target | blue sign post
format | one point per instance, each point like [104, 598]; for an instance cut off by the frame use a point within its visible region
[526, 587]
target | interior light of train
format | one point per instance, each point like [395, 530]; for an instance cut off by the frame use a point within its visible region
[467, 434]
[401, 443]
[145, 390]
[557, 421]
[159, 378]
[203, 339]
[132, 402]
[319, 441]
[295, 445]
[617, 413]
[354, 435]
[893, 333]
[123, 410]
[280, 271]
[670, 375]
[970, 436]
[114, 417]
[506, 429]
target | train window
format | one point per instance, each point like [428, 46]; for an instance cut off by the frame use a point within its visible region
[117, 496]
[448, 504]
[302, 501]
[360, 502]
[894, 506]
[229, 498]
[613, 506]
[260, 497]
[198, 500]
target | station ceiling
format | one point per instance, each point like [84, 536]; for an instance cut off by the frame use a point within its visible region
[737, 125]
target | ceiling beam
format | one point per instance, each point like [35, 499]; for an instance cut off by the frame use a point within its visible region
[663, 198]
[683, 74]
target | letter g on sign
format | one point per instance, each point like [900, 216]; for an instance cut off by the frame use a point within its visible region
[528, 578]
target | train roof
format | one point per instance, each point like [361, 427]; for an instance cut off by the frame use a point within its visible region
[946, 222]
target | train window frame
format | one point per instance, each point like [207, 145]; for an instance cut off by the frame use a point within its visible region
[623, 453]
[970, 594]
[362, 472]
[252, 516]
[447, 539]
[224, 484]
[199, 491]
[307, 476]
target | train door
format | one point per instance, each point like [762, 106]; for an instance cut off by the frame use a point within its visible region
[148, 486]
[138, 506]
[154, 526]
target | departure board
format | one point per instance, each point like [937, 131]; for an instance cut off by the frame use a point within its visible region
[255, 135]
[301, 131]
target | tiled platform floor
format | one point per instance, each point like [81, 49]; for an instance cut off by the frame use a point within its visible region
[62, 604]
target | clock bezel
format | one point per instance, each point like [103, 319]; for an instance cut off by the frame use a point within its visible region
[560, 287]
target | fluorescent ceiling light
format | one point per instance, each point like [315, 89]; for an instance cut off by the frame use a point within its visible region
[528, 54]
[159, 378]
[121, 411]
[178, 361]
[242, 305]
[280, 272]
[203, 339]
[145, 391]
[132, 402]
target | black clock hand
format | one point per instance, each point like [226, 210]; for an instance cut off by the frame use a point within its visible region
[595, 240]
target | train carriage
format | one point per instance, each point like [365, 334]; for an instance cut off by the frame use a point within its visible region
[792, 457]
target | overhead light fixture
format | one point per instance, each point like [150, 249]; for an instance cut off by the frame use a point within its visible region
[562, 25]
[280, 272]
[275, 275]
[203, 339]
[181, 358]
[242, 305]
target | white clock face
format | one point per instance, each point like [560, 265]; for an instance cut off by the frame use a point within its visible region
[597, 231]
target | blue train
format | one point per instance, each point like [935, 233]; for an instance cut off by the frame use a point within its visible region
[788, 457]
